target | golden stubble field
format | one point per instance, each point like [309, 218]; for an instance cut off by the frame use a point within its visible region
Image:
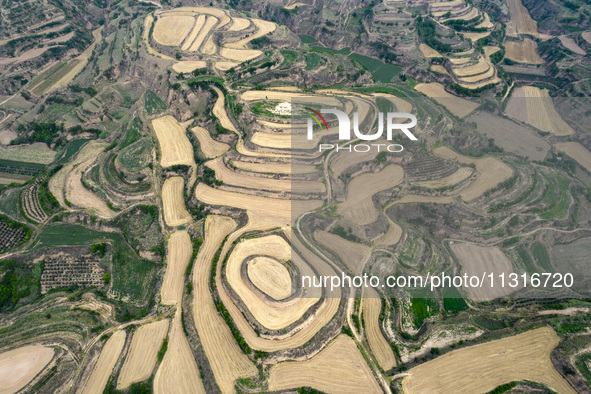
[210, 147]
[142, 355]
[352, 254]
[523, 51]
[371, 306]
[359, 208]
[104, 366]
[175, 147]
[482, 368]
[227, 361]
[456, 105]
[577, 152]
[273, 315]
[179, 250]
[173, 202]
[19, 366]
[479, 260]
[338, 368]
[178, 368]
[489, 172]
[269, 276]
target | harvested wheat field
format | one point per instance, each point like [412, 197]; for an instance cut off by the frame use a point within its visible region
[460, 60]
[219, 110]
[338, 368]
[66, 184]
[541, 112]
[173, 202]
[148, 23]
[266, 209]
[587, 36]
[178, 255]
[269, 276]
[274, 167]
[205, 29]
[174, 144]
[352, 254]
[225, 66]
[477, 260]
[197, 27]
[251, 181]
[521, 22]
[571, 45]
[104, 366]
[304, 259]
[391, 237]
[456, 105]
[188, 66]
[371, 306]
[450, 180]
[227, 361]
[263, 28]
[172, 30]
[272, 315]
[577, 152]
[479, 68]
[340, 161]
[240, 55]
[489, 172]
[489, 50]
[19, 366]
[178, 368]
[484, 367]
[142, 355]
[210, 147]
[428, 51]
[523, 51]
[401, 105]
[439, 69]
[239, 24]
[359, 207]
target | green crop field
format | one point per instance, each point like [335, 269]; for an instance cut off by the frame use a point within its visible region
[306, 39]
[133, 132]
[542, 257]
[136, 156]
[153, 104]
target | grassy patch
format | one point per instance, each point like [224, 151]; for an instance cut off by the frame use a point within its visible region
[526, 259]
[312, 60]
[306, 39]
[117, 181]
[453, 302]
[423, 308]
[153, 104]
[379, 70]
[557, 199]
[131, 275]
[542, 257]
[288, 56]
[344, 51]
[17, 281]
[73, 148]
[133, 132]
[136, 156]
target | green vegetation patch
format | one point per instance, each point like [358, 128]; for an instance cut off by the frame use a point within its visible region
[557, 198]
[18, 280]
[380, 71]
[72, 148]
[344, 51]
[582, 364]
[453, 302]
[422, 309]
[288, 56]
[133, 132]
[542, 257]
[117, 180]
[136, 156]
[306, 39]
[312, 60]
[153, 104]
[131, 275]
